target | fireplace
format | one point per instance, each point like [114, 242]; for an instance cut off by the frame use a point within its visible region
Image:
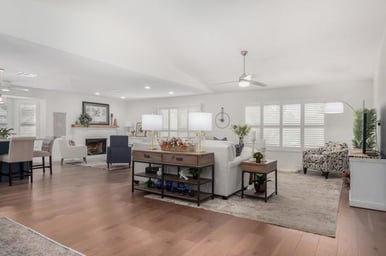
[96, 146]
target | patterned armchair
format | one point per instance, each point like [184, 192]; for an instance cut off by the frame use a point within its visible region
[332, 157]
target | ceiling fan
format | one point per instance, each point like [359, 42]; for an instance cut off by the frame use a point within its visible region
[245, 80]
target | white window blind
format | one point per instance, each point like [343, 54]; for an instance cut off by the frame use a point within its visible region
[291, 132]
[314, 114]
[272, 136]
[313, 137]
[291, 114]
[288, 125]
[271, 114]
[175, 120]
[313, 124]
[291, 137]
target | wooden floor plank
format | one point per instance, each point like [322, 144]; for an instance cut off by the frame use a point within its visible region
[93, 211]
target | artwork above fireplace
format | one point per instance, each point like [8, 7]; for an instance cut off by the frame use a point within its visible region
[96, 146]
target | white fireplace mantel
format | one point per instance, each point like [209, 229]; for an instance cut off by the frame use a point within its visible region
[79, 134]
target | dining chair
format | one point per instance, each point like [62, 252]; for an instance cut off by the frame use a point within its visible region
[45, 151]
[20, 152]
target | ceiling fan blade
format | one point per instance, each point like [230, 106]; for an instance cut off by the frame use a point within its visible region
[227, 82]
[248, 77]
[257, 83]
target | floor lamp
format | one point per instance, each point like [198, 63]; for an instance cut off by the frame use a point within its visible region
[152, 123]
[200, 122]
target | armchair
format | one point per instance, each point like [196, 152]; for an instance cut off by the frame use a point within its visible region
[119, 150]
[332, 157]
[70, 152]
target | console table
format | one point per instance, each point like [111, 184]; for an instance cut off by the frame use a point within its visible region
[178, 159]
[264, 168]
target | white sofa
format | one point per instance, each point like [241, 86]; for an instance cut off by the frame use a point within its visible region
[227, 166]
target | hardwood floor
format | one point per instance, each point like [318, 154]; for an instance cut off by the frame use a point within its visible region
[94, 212]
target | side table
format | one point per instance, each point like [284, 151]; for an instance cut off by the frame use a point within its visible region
[265, 167]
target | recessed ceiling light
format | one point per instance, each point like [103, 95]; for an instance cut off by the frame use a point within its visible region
[25, 89]
[171, 92]
[5, 89]
[123, 97]
[97, 93]
[147, 87]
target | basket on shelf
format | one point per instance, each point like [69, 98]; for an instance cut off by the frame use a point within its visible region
[176, 145]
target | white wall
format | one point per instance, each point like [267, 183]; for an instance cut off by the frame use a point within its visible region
[338, 127]
[71, 104]
[380, 92]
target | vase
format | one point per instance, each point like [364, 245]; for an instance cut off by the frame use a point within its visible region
[258, 160]
[259, 188]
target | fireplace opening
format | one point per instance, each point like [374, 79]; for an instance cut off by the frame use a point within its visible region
[96, 146]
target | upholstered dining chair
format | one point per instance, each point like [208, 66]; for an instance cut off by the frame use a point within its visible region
[46, 151]
[20, 151]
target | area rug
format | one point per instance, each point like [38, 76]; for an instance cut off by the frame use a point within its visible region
[17, 239]
[100, 163]
[304, 202]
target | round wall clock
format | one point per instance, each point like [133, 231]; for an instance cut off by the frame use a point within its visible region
[222, 119]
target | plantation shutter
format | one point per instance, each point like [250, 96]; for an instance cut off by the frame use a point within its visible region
[313, 124]
[291, 125]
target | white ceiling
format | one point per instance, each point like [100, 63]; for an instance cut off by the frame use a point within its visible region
[117, 47]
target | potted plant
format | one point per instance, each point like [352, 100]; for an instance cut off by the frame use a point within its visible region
[5, 132]
[258, 156]
[259, 182]
[370, 131]
[85, 119]
[195, 172]
[241, 131]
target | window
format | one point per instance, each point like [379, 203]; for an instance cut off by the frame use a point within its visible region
[313, 124]
[271, 125]
[291, 125]
[20, 114]
[288, 125]
[175, 120]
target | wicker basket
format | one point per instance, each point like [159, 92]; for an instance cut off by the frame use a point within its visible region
[178, 149]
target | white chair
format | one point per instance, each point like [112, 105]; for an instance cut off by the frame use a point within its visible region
[20, 151]
[71, 152]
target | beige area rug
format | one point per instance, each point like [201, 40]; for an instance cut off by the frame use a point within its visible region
[17, 239]
[304, 202]
[100, 163]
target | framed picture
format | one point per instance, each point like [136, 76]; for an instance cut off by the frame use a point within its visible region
[99, 112]
[139, 132]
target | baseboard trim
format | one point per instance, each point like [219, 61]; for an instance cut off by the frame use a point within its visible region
[368, 205]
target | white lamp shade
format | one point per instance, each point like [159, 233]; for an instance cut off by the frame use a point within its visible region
[128, 124]
[200, 121]
[333, 108]
[151, 122]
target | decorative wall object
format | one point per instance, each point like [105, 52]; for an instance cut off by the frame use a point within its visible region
[139, 132]
[99, 112]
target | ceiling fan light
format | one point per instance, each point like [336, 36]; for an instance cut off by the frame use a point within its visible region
[244, 83]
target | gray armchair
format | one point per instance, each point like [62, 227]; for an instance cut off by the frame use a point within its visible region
[333, 157]
[119, 150]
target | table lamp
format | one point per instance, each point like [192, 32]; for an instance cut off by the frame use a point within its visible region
[128, 125]
[152, 123]
[200, 122]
